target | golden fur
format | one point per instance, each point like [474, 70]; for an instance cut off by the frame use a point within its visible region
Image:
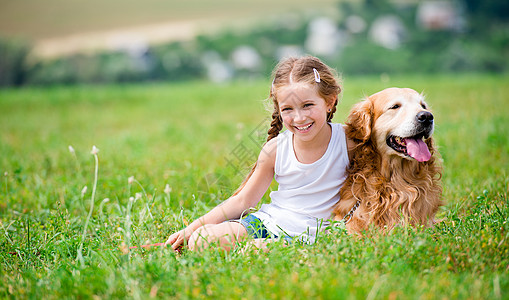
[393, 188]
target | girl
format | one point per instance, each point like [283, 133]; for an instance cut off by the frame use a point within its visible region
[308, 161]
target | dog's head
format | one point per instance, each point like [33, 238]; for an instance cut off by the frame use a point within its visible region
[398, 121]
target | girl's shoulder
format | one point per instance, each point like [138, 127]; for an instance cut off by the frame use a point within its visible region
[269, 150]
[338, 130]
[272, 144]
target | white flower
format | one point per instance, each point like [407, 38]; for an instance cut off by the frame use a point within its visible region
[84, 190]
[130, 180]
[167, 189]
[106, 200]
[71, 149]
[137, 196]
[95, 150]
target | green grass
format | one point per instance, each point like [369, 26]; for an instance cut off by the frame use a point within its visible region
[182, 135]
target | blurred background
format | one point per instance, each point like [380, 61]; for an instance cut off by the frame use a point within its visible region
[72, 42]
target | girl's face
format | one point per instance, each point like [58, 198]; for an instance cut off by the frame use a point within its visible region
[302, 110]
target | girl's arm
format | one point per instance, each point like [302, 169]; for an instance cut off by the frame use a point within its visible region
[232, 208]
[350, 145]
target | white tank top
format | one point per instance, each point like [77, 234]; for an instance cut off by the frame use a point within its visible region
[303, 202]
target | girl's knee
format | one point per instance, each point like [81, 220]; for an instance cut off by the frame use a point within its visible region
[199, 237]
[224, 234]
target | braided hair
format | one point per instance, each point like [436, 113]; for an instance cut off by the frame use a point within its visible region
[302, 70]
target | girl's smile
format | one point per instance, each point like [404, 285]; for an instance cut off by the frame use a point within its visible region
[304, 129]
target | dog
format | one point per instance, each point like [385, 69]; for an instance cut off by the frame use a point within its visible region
[394, 173]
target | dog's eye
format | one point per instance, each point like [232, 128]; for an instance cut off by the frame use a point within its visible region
[395, 106]
[424, 106]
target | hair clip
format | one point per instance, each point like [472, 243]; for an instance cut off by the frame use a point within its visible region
[317, 75]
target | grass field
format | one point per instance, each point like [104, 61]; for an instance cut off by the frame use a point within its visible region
[183, 135]
[52, 18]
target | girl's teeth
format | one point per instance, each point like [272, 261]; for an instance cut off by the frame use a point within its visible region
[304, 128]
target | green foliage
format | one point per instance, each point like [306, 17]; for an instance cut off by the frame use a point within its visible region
[366, 57]
[479, 47]
[182, 135]
[13, 59]
[486, 14]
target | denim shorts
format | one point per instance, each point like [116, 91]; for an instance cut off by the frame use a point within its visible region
[255, 227]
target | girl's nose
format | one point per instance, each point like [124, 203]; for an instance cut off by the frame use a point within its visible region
[299, 115]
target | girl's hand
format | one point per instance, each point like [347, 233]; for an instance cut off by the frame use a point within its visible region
[177, 239]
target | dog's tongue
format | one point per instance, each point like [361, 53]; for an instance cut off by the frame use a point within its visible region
[417, 149]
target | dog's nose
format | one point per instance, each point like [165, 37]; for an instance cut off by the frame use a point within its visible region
[425, 117]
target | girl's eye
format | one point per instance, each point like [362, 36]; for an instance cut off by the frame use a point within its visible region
[395, 106]
[308, 105]
[286, 109]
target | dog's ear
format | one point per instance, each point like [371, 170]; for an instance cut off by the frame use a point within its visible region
[359, 121]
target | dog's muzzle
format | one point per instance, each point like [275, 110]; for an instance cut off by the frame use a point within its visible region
[413, 145]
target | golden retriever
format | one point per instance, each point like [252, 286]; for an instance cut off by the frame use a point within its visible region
[394, 176]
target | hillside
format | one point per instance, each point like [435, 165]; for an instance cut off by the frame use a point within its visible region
[63, 27]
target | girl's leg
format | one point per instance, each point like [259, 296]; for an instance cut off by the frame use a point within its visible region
[225, 235]
[260, 244]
